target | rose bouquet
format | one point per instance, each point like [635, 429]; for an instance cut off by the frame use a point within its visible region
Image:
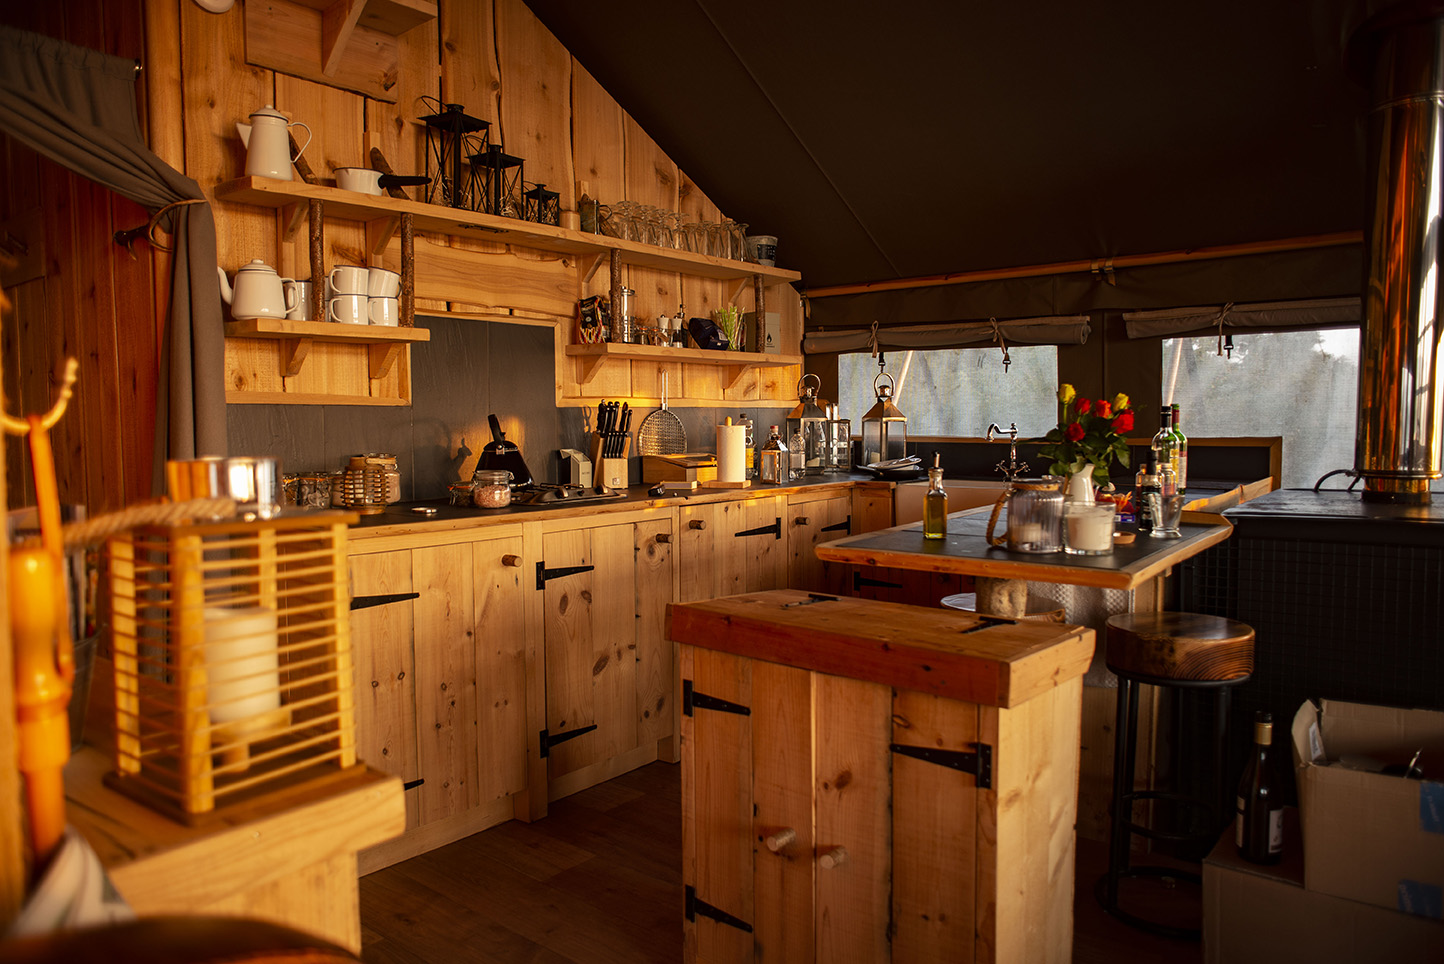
[1089, 432]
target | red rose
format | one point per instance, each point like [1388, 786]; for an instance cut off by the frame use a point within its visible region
[1084, 406]
[1124, 422]
[1105, 409]
[1074, 431]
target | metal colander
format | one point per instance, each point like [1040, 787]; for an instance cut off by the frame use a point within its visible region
[661, 432]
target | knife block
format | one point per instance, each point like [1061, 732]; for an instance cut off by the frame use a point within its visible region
[611, 471]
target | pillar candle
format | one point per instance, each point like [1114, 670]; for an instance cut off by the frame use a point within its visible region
[242, 662]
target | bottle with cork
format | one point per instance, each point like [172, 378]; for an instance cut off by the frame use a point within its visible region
[935, 503]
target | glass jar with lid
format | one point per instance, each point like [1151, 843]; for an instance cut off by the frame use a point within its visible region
[491, 488]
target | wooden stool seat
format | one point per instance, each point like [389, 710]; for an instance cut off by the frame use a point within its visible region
[1180, 646]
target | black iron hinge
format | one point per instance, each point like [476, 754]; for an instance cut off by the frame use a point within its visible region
[979, 763]
[844, 526]
[543, 573]
[549, 740]
[691, 698]
[366, 602]
[413, 784]
[860, 581]
[697, 906]
[775, 530]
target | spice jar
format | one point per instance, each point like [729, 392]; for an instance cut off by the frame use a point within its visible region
[491, 488]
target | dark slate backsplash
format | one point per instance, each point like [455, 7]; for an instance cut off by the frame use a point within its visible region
[467, 370]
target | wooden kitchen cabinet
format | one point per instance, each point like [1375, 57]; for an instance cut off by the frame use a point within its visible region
[864, 781]
[609, 668]
[739, 545]
[813, 518]
[442, 682]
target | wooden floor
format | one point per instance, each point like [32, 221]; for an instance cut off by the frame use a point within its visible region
[600, 881]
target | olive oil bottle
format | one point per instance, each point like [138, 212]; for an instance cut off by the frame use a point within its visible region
[935, 503]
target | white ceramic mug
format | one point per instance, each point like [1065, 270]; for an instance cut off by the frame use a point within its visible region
[301, 292]
[384, 311]
[381, 283]
[348, 279]
[360, 179]
[347, 309]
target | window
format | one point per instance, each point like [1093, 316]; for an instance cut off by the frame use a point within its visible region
[957, 392]
[1302, 385]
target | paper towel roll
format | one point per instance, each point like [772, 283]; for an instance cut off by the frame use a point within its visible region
[731, 452]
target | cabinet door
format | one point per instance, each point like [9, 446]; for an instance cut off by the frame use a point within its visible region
[697, 532]
[498, 567]
[385, 680]
[445, 680]
[810, 523]
[750, 548]
[656, 672]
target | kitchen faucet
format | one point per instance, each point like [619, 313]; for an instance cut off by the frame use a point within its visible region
[1011, 468]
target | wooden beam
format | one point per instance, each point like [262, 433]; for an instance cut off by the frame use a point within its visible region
[338, 22]
[1096, 264]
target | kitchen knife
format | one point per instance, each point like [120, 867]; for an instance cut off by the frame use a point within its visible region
[625, 429]
[601, 410]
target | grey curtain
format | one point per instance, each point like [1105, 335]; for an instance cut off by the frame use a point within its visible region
[77, 107]
[968, 334]
[1268, 315]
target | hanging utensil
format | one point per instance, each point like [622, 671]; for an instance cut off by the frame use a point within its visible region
[661, 432]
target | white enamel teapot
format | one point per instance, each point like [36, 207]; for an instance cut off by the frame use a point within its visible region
[259, 292]
[268, 144]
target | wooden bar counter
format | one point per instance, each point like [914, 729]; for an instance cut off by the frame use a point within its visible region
[867, 781]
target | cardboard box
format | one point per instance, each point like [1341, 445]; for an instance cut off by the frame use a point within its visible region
[1369, 836]
[1265, 915]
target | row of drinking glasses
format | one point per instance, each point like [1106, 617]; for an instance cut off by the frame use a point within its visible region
[644, 223]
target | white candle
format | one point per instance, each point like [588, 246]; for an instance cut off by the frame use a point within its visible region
[1090, 528]
[241, 662]
[1025, 533]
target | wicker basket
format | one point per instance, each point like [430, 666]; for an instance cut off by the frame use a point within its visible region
[232, 651]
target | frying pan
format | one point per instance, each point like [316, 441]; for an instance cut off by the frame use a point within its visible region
[661, 432]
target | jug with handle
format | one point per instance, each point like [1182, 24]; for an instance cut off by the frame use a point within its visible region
[1035, 516]
[268, 143]
[259, 292]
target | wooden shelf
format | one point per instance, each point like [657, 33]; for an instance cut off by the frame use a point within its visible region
[592, 357]
[384, 344]
[266, 192]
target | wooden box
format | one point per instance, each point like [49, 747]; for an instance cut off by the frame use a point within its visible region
[701, 467]
[866, 781]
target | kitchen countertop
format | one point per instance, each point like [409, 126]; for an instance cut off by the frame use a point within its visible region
[399, 518]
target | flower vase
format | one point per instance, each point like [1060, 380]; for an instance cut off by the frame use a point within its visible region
[1080, 486]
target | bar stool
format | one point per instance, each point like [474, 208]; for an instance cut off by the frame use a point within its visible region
[1185, 651]
[1040, 608]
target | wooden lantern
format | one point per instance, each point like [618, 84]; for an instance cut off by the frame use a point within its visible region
[232, 650]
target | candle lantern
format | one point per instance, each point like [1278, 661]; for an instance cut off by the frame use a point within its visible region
[839, 443]
[451, 138]
[884, 428]
[809, 422]
[543, 206]
[498, 182]
[232, 660]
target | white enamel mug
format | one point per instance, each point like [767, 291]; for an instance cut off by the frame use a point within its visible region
[384, 311]
[348, 309]
[381, 283]
[301, 291]
[348, 279]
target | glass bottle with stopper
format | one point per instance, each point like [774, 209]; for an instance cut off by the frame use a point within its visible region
[935, 503]
[774, 459]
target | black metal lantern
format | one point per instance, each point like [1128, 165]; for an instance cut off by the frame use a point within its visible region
[543, 206]
[498, 182]
[452, 137]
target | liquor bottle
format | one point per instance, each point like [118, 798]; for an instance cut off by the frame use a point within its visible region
[1163, 442]
[1180, 467]
[935, 504]
[1259, 832]
[749, 445]
[775, 465]
[1148, 497]
[798, 454]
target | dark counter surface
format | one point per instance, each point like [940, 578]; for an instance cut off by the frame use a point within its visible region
[1337, 516]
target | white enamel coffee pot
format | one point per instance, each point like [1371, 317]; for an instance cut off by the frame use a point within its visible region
[268, 145]
[259, 292]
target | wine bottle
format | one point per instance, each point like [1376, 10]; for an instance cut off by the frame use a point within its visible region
[1163, 442]
[935, 504]
[1259, 832]
[1180, 461]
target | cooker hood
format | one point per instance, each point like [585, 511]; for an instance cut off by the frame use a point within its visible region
[1401, 54]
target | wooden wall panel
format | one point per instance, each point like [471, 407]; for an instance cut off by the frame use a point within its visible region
[395, 127]
[651, 178]
[492, 280]
[535, 105]
[469, 74]
[597, 139]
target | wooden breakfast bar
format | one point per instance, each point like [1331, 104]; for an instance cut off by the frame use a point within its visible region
[1002, 575]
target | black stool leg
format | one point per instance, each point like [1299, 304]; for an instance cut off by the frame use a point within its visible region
[1223, 798]
[1120, 838]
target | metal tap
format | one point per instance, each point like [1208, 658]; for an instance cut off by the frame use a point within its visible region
[1011, 468]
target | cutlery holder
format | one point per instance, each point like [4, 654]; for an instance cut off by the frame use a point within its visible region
[612, 470]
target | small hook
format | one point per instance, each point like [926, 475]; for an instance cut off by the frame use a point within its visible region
[17, 426]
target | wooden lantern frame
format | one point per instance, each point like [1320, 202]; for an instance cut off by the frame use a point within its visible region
[199, 728]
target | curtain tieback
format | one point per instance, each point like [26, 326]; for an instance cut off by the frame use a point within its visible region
[127, 237]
